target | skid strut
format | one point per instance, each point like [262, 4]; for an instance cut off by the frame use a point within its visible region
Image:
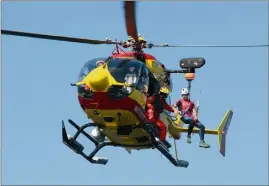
[162, 148]
[78, 148]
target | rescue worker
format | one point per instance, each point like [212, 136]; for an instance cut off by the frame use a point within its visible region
[190, 116]
[155, 106]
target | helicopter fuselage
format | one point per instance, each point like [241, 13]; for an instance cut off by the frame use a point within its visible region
[116, 99]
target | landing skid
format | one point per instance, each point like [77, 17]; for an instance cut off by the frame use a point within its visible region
[78, 148]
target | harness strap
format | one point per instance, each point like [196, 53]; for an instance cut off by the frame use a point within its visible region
[185, 111]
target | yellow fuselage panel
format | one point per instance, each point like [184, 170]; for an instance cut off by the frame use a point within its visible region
[139, 97]
[112, 135]
[127, 118]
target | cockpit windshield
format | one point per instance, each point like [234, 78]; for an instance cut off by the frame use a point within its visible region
[129, 71]
[89, 66]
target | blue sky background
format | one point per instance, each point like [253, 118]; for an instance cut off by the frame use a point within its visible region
[37, 96]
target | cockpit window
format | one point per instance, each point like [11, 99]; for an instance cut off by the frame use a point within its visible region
[129, 71]
[89, 66]
[167, 80]
[159, 63]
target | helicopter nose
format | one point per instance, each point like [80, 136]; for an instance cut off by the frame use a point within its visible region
[99, 81]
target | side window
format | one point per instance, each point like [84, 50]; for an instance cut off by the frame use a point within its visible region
[143, 78]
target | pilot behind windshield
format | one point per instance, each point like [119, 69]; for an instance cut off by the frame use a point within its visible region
[128, 71]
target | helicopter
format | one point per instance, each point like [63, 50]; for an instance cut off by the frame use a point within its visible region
[113, 98]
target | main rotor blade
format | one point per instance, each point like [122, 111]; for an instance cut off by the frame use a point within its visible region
[223, 46]
[53, 37]
[130, 21]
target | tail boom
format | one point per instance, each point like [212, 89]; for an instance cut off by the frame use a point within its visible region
[195, 130]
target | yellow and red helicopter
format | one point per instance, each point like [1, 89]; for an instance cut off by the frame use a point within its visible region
[113, 98]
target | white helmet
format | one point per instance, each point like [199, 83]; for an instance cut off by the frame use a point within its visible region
[184, 91]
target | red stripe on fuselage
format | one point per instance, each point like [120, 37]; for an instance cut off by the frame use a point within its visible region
[133, 54]
[103, 102]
